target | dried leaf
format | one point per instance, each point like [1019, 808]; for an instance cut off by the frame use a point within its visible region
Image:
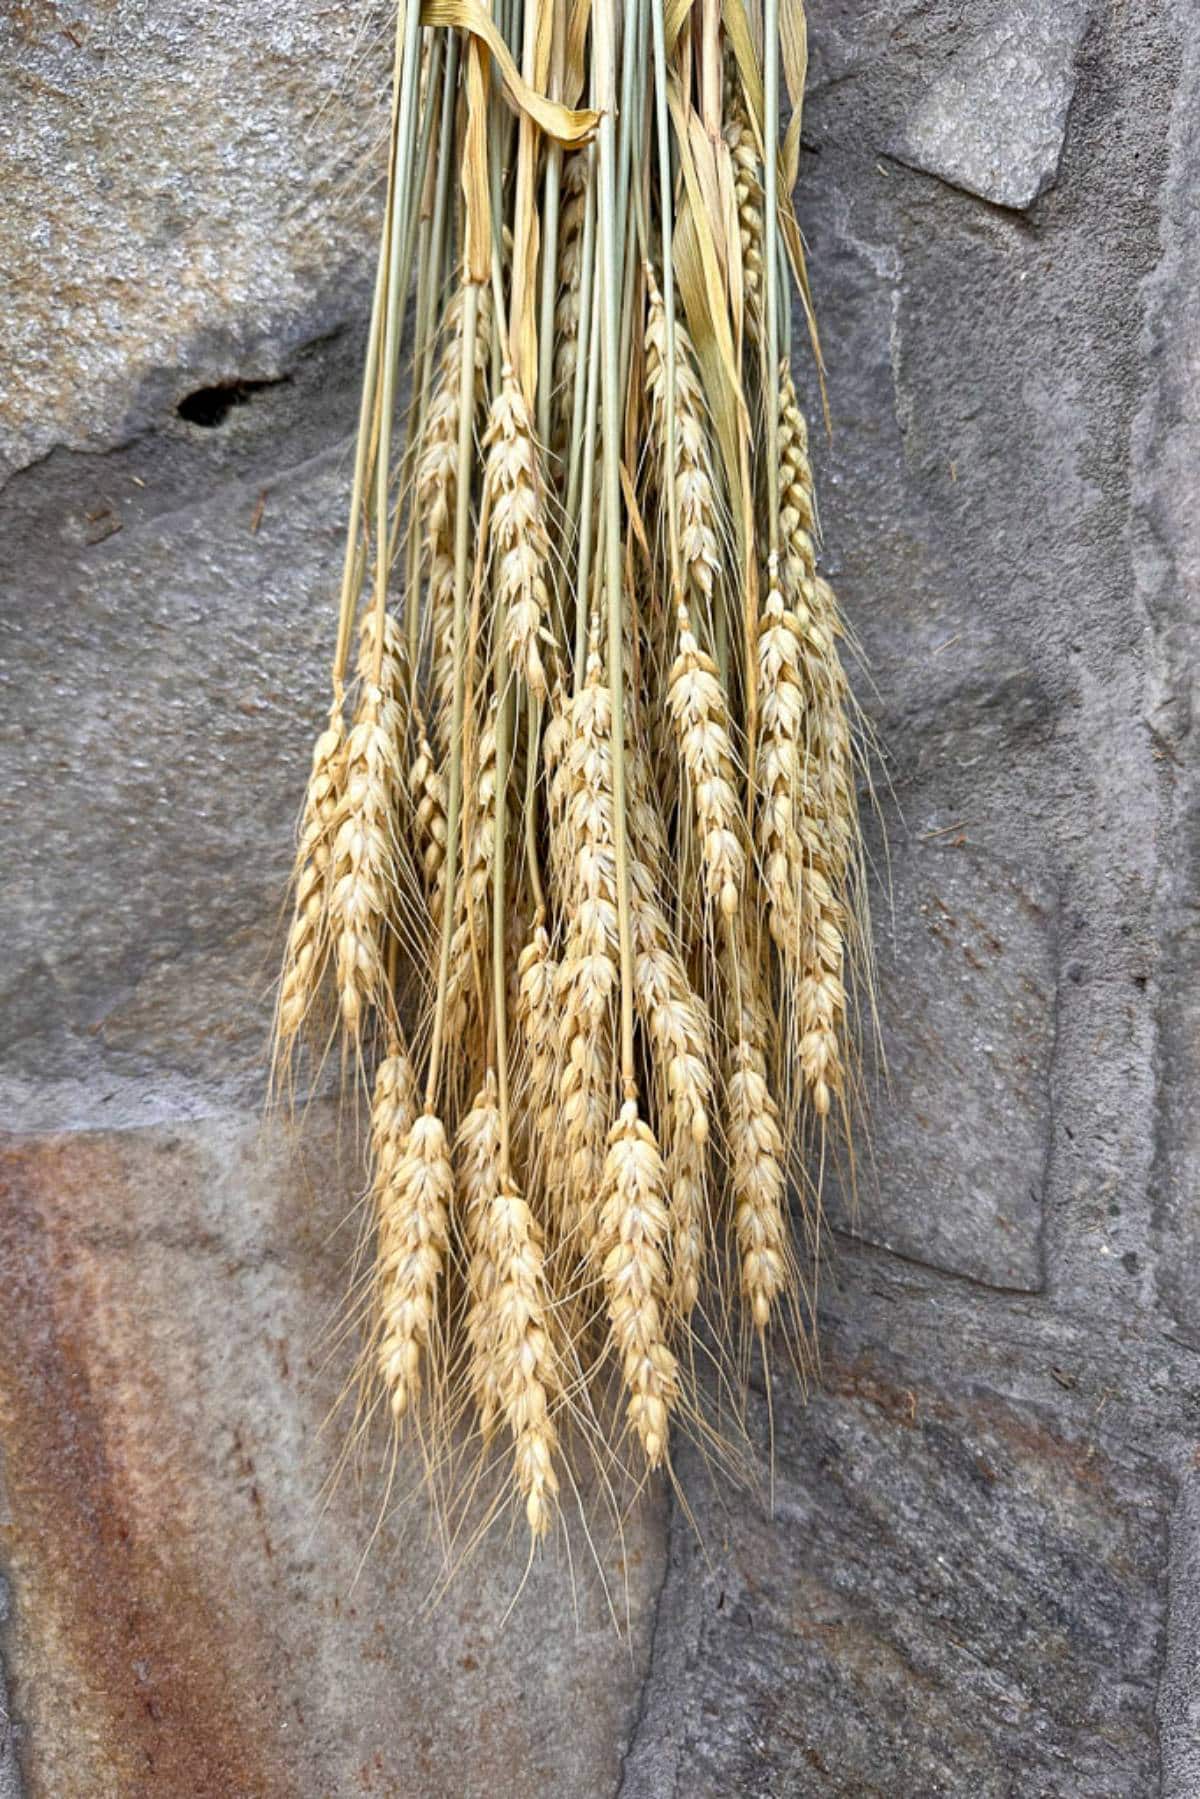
[568, 127]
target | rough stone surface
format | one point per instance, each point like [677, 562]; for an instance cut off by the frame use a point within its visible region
[184, 197]
[966, 968]
[994, 116]
[982, 1571]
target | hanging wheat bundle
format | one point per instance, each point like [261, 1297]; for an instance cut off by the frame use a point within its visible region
[579, 868]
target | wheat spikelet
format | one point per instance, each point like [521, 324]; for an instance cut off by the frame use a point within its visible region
[520, 546]
[754, 1138]
[363, 872]
[413, 1245]
[588, 972]
[392, 684]
[307, 942]
[695, 487]
[393, 1109]
[522, 1366]
[698, 710]
[631, 1237]
[436, 491]
[779, 767]
[747, 190]
[822, 774]
[537, 1022]
[567, 311]
[427, 792]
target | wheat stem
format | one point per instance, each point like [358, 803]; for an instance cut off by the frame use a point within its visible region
[400, 203]
[605, 54]
[771, 260]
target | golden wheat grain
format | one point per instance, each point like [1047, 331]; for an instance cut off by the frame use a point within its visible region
[631, 1237]
[413, 1247]
[700, 716]
[747, 190]
[755, 1143]
[308, 937]
[680, 1038]
[427, 792]
[363, 871]
[519, 541]
[822, 773]
[537, 1022]
[588, 971]
[568, 309]
[436, 490]
[393, 1109]
[522, 1369]
[779, 766]
[695, 486]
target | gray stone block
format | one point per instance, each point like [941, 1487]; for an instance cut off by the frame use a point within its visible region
[993, 115]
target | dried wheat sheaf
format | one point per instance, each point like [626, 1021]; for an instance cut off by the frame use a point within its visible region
[579, 880]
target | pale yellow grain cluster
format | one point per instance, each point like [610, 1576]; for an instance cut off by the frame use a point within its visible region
[579, 878]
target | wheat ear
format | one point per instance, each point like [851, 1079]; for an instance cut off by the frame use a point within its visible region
[436, 493]
[520, 544]
[631, 1238]
[522, 1369]
[537, 1022]
[588, 972]
[393, 1109]
[748, 200]
[755, 1143]
[697, 705]
[680, 1036]
[779, 769]
[363, 871]
[570, 294]
[413, 1246]
[827, 822]
[308, 937]
[427, 791]
[698, 513]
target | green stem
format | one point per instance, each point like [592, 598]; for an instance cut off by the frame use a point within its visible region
[582, 353]
[552, 194]
[426, 328]
[771, 267]
[353, 563]
[408, 44]
[666, 216]
[603, 25]
[583, 571]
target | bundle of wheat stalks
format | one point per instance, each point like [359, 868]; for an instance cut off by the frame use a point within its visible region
[579, 860]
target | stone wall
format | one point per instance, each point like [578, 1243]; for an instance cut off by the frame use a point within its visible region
[982, 1572]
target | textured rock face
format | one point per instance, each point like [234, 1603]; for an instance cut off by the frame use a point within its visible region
[982, 1575]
